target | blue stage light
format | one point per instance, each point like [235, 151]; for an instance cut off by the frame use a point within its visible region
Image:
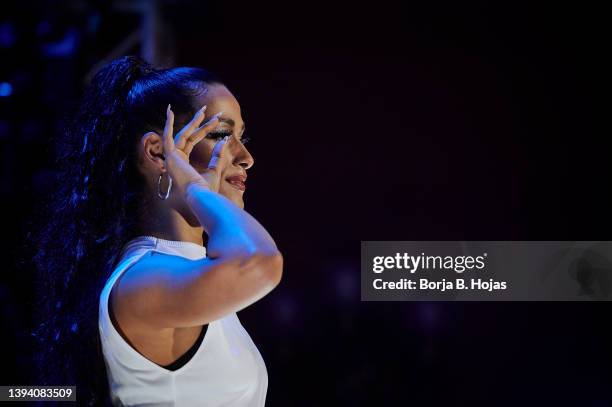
[6, 89]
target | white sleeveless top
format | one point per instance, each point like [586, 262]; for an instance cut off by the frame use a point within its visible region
[226, 370]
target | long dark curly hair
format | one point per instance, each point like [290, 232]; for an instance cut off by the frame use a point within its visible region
[99, 201]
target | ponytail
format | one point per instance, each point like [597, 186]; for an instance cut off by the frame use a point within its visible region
[96, 207]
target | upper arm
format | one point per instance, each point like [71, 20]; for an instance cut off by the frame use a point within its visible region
[166, 291]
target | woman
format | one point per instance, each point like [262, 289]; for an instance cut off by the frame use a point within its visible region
[149, 253]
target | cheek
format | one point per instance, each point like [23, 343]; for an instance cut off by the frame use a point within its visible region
[200, 155]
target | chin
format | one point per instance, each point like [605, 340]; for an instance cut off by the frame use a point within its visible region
[238, 201]
[234, 196]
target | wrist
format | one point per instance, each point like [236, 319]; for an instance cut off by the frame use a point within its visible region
[195, 186]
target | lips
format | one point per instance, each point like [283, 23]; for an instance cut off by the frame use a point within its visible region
[237, 181]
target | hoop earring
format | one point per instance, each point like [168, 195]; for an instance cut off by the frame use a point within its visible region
[164, 197]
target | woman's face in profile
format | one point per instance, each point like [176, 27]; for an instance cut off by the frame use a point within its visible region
[233, 177]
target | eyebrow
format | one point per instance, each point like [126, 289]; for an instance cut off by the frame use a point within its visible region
[232, 123]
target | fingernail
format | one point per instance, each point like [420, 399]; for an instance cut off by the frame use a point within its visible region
[203, 109]
[218, 114]
[168, 110]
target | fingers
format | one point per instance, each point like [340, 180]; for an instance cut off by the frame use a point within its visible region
[167, 139]
[207, 127]
[218, 153]
[193, 140]
[182, 137]
[200, 133]
[212, 122]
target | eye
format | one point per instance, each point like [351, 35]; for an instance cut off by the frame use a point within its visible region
[219, 134]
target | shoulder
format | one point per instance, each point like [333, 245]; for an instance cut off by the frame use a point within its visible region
[147, 288]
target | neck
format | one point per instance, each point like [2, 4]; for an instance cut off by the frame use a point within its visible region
[167, 223]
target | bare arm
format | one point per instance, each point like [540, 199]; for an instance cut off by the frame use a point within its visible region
[232, 230]
[164, 291]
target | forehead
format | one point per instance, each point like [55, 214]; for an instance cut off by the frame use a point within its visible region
[219, 98]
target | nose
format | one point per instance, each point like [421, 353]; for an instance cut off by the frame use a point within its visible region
[242, 157]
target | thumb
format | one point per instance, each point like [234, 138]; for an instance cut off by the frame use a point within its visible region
[218, 153]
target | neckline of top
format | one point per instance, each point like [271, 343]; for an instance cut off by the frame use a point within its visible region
[158, 241]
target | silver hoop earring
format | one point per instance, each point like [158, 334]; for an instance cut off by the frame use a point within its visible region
[159, 185]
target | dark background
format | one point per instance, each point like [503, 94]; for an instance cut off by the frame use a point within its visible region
[374, 121]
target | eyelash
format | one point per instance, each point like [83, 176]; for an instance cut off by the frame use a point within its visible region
[216, 135]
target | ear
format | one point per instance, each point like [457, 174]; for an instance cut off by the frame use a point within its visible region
[152, 150]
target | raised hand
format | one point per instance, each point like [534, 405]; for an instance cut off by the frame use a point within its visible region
[177, 150]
